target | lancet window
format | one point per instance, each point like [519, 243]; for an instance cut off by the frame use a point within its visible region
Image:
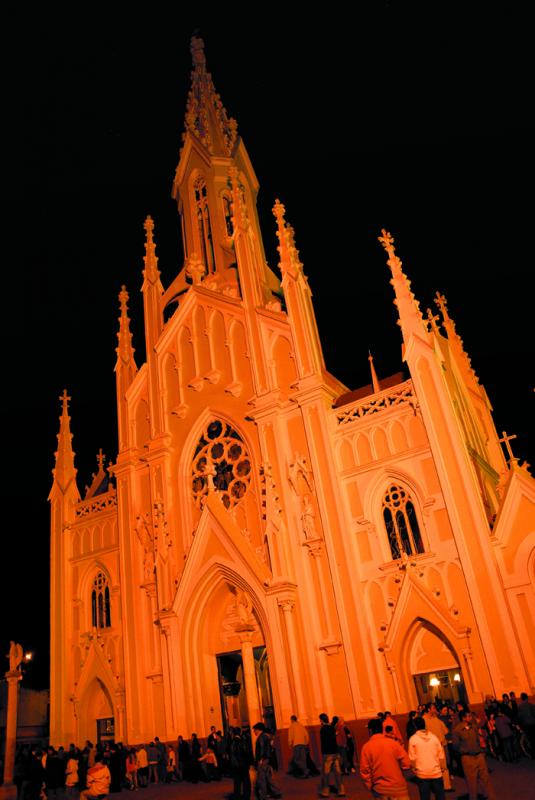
[401, 523]
[220, 457]
[100, 602]
[203, 223]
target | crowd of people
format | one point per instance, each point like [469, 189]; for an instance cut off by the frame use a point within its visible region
[441, 741]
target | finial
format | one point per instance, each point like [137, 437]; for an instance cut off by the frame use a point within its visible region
[123, 300]
[149, 226]
[440, 301]
[432, 321]
[125, 351]
[65, 399]
[206, 117]
[375, 381]
[197, 52]
[100, 458]
[279, 212]
[410, 316]
[506, 439]
[150, 273]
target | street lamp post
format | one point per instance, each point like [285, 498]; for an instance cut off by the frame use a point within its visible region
[13, 676]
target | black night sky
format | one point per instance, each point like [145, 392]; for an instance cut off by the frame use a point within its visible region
[418, 124]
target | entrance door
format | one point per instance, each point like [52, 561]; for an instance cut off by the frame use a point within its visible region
[444, 685]
[232, 694]
[106, 730]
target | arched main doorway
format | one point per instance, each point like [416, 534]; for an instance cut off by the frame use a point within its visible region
[434, 666]
[227, 656]
[96, 720]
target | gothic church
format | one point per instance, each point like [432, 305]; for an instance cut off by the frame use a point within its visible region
[269, 542]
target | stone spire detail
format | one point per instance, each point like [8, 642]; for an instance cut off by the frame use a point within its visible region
[64, 471]
[151, 273]
[206, 117]
[307, 345]
[375, 381]
[289, 254]
[410, 316]
[125, 351]
[453, 337]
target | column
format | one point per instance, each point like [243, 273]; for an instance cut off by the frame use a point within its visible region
[287, 606]
[13, 677]
[249, 675]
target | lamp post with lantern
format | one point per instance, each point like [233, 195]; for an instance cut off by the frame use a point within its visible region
[13, 677]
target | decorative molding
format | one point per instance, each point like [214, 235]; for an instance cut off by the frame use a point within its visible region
[330, 647]
[382, 401]
[102, 502]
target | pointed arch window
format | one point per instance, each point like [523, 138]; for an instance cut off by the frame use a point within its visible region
[100, 602]
[203, 223]
[221, 456]
[401, 523]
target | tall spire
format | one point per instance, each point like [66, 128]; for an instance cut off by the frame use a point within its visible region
[125, 351]
[153, 319]
[453, 337]
[307, 345]
[375, 381]
[410, 316]
[64, 471]
[206, 117]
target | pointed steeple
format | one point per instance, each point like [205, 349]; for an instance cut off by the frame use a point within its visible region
[309, 355]
[100, 482]
[125, 351]
[206, 117]
[410, 317]
[125, 368]
[64, 471]
[153, 318]
[453, 337]
[151, 274]
[375, 381]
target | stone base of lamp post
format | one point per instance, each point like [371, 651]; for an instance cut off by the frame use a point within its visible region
[8, 792]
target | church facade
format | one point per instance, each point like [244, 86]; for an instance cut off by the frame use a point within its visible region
[270, 542]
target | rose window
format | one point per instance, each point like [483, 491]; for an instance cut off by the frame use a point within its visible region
[221, 453]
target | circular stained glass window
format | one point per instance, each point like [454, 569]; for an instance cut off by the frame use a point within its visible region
[221, 451]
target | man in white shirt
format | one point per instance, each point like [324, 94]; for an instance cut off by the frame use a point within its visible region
[427, 761]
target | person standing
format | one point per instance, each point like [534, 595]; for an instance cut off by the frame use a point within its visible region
[331, 759]
[382, 760]
[298, 740]
[526, 719]
[264, 774]
[466, 741]
[434, 724]
[428, 761]
[241, 759]
[142, 761]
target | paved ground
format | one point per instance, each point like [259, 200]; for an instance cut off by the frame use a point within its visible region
[510, 781]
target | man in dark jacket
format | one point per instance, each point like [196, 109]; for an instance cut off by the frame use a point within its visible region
[241, 759]
[466, 741]
[54, 775]
[331, 759]
[264, 772]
